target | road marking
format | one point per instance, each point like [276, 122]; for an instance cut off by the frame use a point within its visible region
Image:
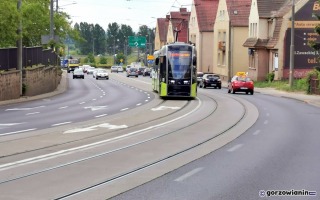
[266, 122]
[22, 131]
[10, 124]
[82, 103]
[101, 96]
[18, 109]
[93, 128]
[91, 145]
[33, 113]
[139, 104]
[146, 100]
[235, 147]
[256, 132]
[63, 107]
[268, 114]
[101, 115]
[94, 99]
[124, 109]
[59, 124]
[189, 174]
[165, 108]
[94, 108]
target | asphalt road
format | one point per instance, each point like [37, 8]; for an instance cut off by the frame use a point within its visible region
[84, 100]
[279, 152]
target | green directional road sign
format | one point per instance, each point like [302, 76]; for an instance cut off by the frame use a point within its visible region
[135, 41]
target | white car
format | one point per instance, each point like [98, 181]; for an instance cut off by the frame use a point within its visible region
[102, 73]
[114, 69]
[120, 69]
[90, 70]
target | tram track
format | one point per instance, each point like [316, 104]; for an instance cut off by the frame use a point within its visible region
[128, 147]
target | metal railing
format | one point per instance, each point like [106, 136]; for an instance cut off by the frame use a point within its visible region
[30, 56]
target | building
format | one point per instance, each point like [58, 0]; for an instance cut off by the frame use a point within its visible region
[202, 19]
[230, 32]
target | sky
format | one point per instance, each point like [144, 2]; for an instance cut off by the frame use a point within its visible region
[129, 12]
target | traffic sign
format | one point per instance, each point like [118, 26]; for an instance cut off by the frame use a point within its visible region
[150, 57]
[135, 41]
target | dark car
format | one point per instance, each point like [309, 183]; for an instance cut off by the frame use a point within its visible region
[146, 72]
[140, 70]
[210, 80]
[132, 72]
[241, 83]
[78, 73]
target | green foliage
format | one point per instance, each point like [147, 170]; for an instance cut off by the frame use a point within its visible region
[91, 58]
[299, 85]
[314, 74]
[120, 57]
[24, 88]
[103, 60]
[9, 21]
[270, 77]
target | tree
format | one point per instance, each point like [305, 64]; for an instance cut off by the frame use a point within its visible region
[112, 37]
[9, 20]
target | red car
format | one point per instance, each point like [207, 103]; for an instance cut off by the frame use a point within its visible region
[241, 83]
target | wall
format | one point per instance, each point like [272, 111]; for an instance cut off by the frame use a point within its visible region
[40, 80]
[9, 85]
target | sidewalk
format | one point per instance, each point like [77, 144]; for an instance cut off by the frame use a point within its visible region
[62, 87]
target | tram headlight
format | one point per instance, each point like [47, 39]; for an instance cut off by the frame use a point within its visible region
[172, 82]
[186, 82]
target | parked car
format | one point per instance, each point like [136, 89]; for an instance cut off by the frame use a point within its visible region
[132, 72]
[199, 77]
[146, 72]
[210, 80]
[114, 69]
[140, 70]
[78, 73]
[120, 69]
[102, 73]
[241, 83]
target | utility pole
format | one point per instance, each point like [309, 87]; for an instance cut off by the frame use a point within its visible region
[51, 20]
[57, 6]
[292, 48]
[19, 44]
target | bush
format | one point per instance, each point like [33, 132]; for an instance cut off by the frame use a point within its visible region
[270, 77]
[314, 74]
[103, 60]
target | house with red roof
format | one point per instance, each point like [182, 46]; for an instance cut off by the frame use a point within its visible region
[202, 19]
[178, 26]
[161, 33]
[230, 32]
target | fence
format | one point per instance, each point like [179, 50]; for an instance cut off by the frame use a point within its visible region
[30, 56]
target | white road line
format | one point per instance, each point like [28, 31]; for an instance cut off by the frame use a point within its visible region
[94, 99]
[63, 107]
[235, 147]
[101, 115]
[189, 174]
[139, 104]
[59, 124]
[101, 96]
[82, 103]
[146, 100]
[268, 114]
[124, 109]
[33, 113]
[22, 131]
[256, 132]
[266, 122]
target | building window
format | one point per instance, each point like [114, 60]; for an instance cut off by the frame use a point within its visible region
[223, 58]
[219, 59]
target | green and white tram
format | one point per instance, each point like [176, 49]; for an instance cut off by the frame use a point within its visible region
[175, 72]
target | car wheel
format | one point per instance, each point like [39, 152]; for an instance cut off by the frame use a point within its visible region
[97, 78]
[137, 76]
[220, 87]
[229, 91]
[233, 92]
[252, 92]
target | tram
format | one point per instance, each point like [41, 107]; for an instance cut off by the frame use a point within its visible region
[175, 73]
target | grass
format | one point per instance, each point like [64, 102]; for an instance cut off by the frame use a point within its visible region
[299, 85]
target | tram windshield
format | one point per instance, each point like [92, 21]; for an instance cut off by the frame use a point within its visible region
[179, 62]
